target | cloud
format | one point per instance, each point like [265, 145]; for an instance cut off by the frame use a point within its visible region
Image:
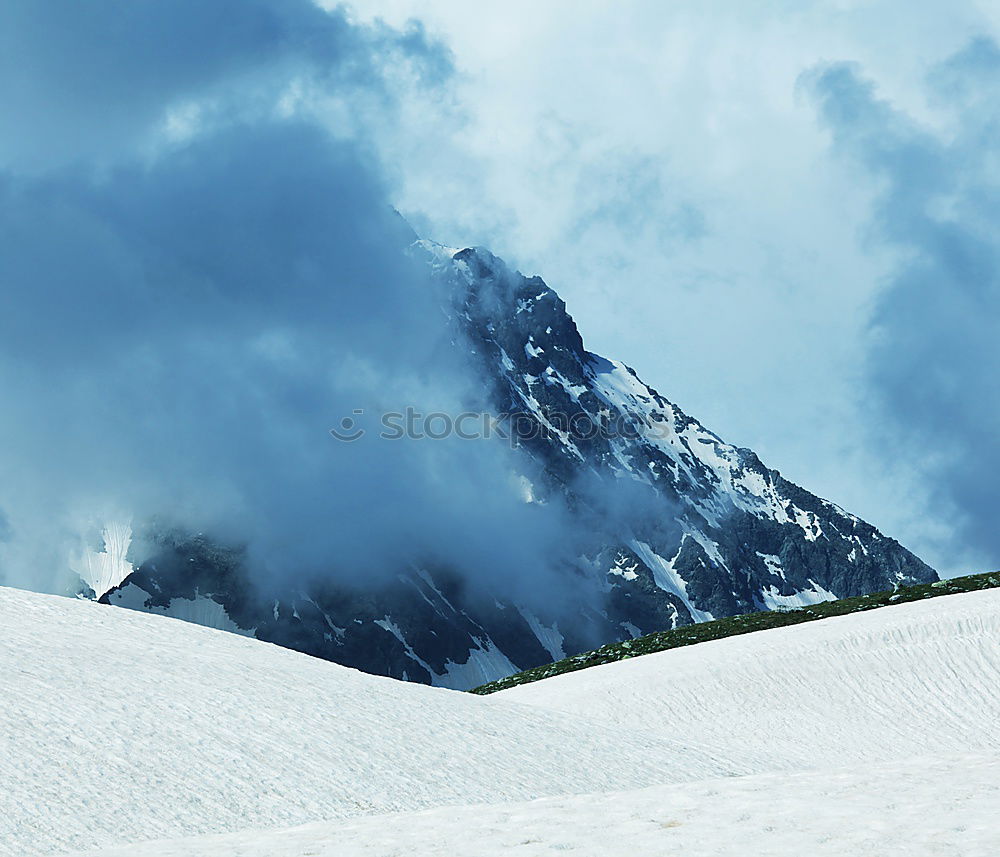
[186, 315]
[935, 350]
[87, 83]
[659, 166]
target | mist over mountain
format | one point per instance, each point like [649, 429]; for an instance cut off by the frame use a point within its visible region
[205, 282]
[631, 517]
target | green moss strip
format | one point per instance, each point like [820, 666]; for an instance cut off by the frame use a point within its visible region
[744, 624]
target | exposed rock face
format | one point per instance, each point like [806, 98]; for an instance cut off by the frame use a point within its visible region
[704, 529]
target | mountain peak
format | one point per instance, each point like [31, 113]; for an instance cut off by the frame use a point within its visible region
[674, 525]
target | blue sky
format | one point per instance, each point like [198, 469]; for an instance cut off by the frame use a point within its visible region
[783, 215]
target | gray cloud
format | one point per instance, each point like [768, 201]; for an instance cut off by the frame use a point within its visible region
[184, 317]
[86, 82]
[936, 338]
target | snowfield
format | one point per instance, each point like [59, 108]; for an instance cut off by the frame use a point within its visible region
[944, 807]
[866, 734]
[870, 687]
[118, 726]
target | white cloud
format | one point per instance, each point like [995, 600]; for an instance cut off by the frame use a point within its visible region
[659, 166]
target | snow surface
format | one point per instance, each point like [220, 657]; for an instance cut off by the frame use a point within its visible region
[548, 636]
[118, 726]
[103, 570]
[816, 594]
[202, 609]
[879, 685]
[484, 662]
[941, 806]
[873, 734]
[668, 579]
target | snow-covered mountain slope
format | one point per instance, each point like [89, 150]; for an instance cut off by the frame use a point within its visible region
[919, 678]
[872, 733]
[117, 726]
[942, 806]
[723, 534]
[675, 525]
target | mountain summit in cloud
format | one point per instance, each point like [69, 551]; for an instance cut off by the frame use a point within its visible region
[635, 518]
